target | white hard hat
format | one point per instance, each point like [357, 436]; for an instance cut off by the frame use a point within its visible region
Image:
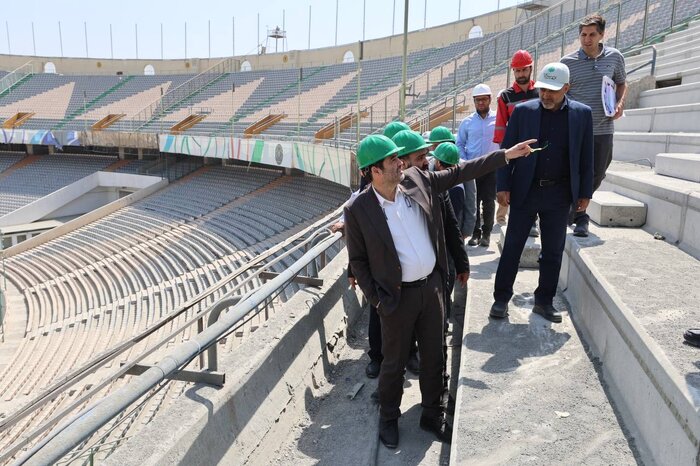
[481, 89]
[553, 76]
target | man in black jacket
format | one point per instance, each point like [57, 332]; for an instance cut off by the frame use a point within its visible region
[396, 271]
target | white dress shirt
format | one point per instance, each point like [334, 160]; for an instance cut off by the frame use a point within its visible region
[409, 230]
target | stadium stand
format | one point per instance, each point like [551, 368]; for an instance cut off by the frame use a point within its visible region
[91, 289]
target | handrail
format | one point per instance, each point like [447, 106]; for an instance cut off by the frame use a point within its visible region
[91, 419]
[651, 62]
[15, 76]
[111, 354]
[171, 98]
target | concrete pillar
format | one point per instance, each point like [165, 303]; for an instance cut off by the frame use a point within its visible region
[122, 153]
[140, 153]
[288, 171]
[51, 150]
[30, 149]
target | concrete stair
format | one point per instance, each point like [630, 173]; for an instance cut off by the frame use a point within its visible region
[610, 209]
[672, 119]
[636, 146]
[673, 205]
[673, 95]
[531, 252]
[681, 166]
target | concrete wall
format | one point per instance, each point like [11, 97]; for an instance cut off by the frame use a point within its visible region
[376, 48]
[268, 379]
[650, 393]
[86, 203]
[87, 218]
[55, 202]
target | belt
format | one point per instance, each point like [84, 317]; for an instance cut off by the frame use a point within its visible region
[541, 183]
[416, 283]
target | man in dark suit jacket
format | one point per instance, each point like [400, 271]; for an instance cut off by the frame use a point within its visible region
[402, 275]
[558, 173]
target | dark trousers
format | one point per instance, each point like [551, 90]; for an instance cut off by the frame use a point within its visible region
[374, 332]
[485, 203]
[420, 311]
[375, 335]
[551, 204]
[602, 157]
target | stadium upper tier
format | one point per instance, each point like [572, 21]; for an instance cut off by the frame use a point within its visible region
[308, 99]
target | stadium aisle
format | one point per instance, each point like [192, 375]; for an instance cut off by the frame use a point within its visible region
[342, 431]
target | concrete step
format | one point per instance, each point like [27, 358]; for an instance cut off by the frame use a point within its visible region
[667, 52]
[629, 146]
[682, 166]
[686, 75]
[632, 315]
[610, 209]
[673, 95]
[673, 205]
[531, 253]
[672, 118]
[677, 65]
[528, 393]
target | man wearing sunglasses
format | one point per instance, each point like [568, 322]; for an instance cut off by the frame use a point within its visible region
[559, 172]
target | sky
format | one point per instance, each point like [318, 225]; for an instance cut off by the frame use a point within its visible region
[130, 19]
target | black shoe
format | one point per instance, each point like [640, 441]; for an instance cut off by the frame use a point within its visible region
[692, 336]
[438, 426]
[485, 241]
[473, 241]
[413, 364]
[581, 230]
[372, 369]
[389, 433]
[499, 310]
[547, 311]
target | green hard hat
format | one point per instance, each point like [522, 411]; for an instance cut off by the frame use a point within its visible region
[410, 140]
[447, 153]
[394, 127]
[374, 148]
[441, 134]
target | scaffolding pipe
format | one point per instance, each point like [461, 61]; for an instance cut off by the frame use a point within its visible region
[90, 421]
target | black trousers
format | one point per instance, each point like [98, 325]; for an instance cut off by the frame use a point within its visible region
[420, 311]
[374, 332]
[602, 157]
[485, 203]
[551, 204]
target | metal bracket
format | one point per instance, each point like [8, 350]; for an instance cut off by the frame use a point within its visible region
[303, 279]
[211, 378]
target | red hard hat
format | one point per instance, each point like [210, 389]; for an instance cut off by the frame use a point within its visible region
[521, 59]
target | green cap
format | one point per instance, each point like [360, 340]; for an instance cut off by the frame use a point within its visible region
[374, 148]
[410, 140]
[394, 127]
[447, 153]
[441, 134]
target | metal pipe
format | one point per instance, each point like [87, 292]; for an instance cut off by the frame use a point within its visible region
[216, 310]
[91, 420]
[404, 66]
[646, 19]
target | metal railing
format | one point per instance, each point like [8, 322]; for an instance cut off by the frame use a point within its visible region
[185, 90]
[556, 45]
[244, 276]
[91, 419]
[11, 79]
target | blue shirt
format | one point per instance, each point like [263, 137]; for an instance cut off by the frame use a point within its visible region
[475, 136]
[553, 160]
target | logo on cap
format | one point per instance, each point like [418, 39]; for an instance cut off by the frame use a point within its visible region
[551, 69]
